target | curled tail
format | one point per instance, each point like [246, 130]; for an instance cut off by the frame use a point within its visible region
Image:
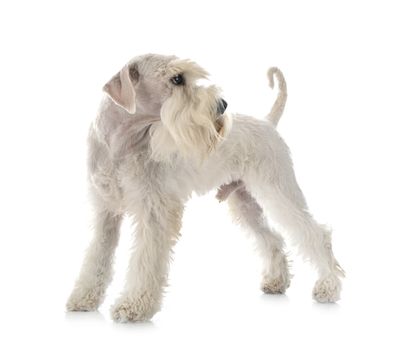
[279, 105]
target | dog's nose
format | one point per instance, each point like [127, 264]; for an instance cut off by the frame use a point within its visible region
[222, 106]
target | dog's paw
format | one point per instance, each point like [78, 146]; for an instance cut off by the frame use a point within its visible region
[277, 281]
[327, 290]
[134, 309]
[275, 285]
[84, 300]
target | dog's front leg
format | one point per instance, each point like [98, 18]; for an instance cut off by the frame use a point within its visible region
[158, 225]
[96, 272]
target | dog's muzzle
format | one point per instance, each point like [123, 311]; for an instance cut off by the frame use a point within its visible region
[222, 106]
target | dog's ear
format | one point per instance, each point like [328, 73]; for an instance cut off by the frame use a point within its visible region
[121, 89]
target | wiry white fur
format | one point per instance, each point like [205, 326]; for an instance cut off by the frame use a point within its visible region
[147, 165]
[185, 115]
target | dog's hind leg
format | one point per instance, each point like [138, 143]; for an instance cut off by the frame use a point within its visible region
[247, 212]
[284, 203]
[96, 272]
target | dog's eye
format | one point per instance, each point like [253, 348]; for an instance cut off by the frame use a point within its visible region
[177, 79]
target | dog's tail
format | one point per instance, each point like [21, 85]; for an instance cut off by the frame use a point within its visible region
[279, 105]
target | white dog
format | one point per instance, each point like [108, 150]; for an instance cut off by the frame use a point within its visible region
[158, 137]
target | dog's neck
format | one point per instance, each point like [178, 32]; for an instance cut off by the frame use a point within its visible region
[123, 132]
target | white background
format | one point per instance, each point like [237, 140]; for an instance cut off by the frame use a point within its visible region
[340, 62]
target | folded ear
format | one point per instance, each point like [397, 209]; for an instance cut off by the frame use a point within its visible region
[121, 89]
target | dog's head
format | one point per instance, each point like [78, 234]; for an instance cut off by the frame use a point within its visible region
[192, 116]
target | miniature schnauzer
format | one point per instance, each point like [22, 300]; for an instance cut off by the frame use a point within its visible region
[160, 135]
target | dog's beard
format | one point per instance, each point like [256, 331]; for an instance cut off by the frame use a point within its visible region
[189, 124]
